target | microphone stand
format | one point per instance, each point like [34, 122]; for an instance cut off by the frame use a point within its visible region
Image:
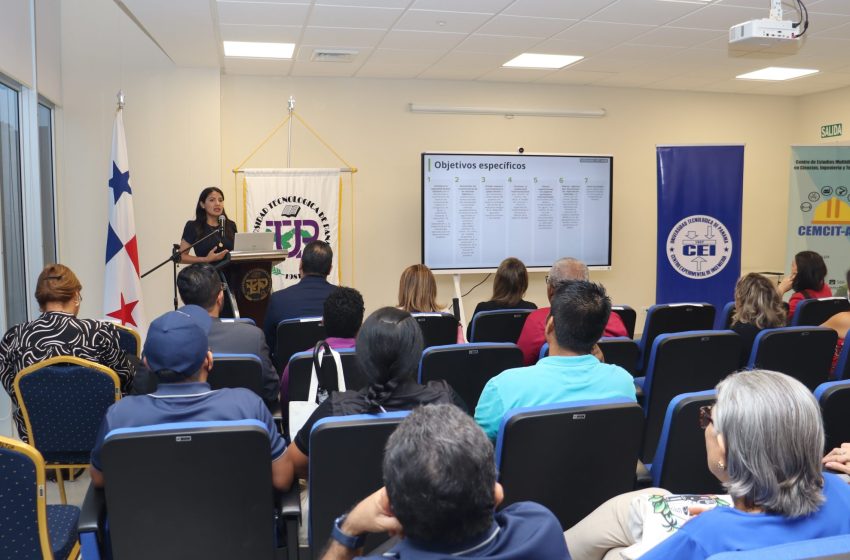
[176, 254]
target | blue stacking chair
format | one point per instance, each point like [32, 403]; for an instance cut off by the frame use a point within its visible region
[570, 457]
[438, 329]
[237, 370]
[296, 335]
[817, 311]
[502, 325]
[723, 321]
[683, 363]
[129, 340]
[671, 318]
[468, 367]
[804, 353]
[834, 399]
[621, 351]
[827, 548]
[357, 442]
[186, 490]
[63, 401]
[29, 528]
[628, 315]
[680, 463]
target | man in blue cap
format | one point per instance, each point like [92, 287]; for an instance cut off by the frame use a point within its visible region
[177, 351]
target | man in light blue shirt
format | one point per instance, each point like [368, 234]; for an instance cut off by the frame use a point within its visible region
[570, 373]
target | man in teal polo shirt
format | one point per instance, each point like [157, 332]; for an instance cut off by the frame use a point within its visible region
[570, 373]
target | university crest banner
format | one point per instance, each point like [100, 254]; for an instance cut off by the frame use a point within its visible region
[299, 206]
[819, 207]
[699, 223]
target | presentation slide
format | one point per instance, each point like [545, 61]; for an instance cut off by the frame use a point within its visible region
[478, 209]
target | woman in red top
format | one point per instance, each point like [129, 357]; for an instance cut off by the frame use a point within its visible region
[807, 273]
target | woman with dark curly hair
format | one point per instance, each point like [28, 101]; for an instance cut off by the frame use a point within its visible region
[806, 279]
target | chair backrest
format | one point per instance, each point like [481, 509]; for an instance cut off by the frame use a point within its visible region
[63, 401]
[684, 363]
[23, 517]
[294, 335]
[804, 353]
[346, 458]
[193, 490]
[673, 318]
[247, 320]
[628, 315]
[834, 399]
[827, 548]
[817, 311]
[438, 329]
[237, 370]
[680, 464]
[570, 457]
[129, 340]
[621, 351]
[502, 325]
[468, 367]
[723, 321]
[300, 369]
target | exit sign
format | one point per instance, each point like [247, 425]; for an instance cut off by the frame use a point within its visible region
[831, 130]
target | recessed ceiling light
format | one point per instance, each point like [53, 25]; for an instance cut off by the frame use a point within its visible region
[532, 60]
[246, 49]
[777, 73]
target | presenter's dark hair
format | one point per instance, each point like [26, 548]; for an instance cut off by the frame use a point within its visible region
[201, 215]
[811, 270]
[316, 259]
[343, 313]
[440, 476]
[510, 283]
[580, 310]
[389, 346]
[199, 284]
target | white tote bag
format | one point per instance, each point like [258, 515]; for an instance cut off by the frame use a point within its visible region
[300, 411]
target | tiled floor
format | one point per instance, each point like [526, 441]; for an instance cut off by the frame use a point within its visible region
[75, 491]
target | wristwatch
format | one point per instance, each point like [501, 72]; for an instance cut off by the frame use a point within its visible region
[346, 540]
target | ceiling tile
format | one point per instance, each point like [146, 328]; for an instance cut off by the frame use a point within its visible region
[304, 53]
[677, 37]
[399, 39]
[262, 13]
[560, 46]
[479, 6]
[400, 57]
[398, 71]
[574, 77]
[826, 25]
[830, 7]
[825, 46]
[261, 33]
[342, 37]
[366, 3]
[642, 52]
[721, 17]
[557, 9]
[760, 4]
[432, 20]
[344, 16]
[185, 30]
[523, 75]
[521, 26]
[613, 33]
[497, 43]
[644, 12]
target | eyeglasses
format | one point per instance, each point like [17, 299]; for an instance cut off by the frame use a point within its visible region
[705, 416]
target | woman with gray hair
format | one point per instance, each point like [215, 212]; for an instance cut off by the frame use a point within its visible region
[764, 439]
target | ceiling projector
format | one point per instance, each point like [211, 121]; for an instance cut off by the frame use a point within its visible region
[768, 31]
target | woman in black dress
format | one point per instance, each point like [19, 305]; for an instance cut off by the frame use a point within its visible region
[207, 214]
[758, 306]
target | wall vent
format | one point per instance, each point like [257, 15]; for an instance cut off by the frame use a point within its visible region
[334, 55]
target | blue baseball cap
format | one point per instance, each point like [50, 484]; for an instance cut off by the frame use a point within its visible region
[177, 341]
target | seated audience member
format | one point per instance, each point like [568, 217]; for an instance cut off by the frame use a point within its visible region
[177, 351]
[838, 460]
[533, 336]
[307, 297]
[342, 317]
[199, 284]
[579, 314]
[806, 279]
[389, 345]
[417, 293]
[774, 477]
[440, 494]
[757, 307]
[509, 287]
[840, 323]
[58, 332]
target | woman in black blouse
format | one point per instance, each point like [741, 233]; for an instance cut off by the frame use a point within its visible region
[58, 332]
[758, 306]
[509, 287]
[209, 209]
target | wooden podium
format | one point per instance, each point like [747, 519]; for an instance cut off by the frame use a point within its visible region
[249, 276]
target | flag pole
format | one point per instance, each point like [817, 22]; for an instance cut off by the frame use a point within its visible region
[120, 99]
[290, 106]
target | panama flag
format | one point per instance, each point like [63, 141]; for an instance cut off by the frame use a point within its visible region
[122, 294]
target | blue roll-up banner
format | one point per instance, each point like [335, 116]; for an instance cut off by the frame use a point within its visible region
[700, 192]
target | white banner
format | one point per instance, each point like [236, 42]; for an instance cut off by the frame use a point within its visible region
[299, 206]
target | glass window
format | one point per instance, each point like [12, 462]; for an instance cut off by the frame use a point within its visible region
[14, 273]
[45, 157]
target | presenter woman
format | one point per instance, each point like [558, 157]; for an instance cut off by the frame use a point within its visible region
[208, 213]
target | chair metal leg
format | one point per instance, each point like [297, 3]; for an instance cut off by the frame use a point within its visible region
[61, 483]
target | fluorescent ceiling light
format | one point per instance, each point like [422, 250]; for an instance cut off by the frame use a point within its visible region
[532, 60]
[776, 73]
[246, 49]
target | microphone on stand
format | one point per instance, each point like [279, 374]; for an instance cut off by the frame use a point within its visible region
[221, 220]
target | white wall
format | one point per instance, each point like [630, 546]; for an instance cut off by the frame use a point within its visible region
[173, 133]
[367, 122]
[814, 111]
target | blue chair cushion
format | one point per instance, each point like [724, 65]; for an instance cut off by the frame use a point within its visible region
[62, 527]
